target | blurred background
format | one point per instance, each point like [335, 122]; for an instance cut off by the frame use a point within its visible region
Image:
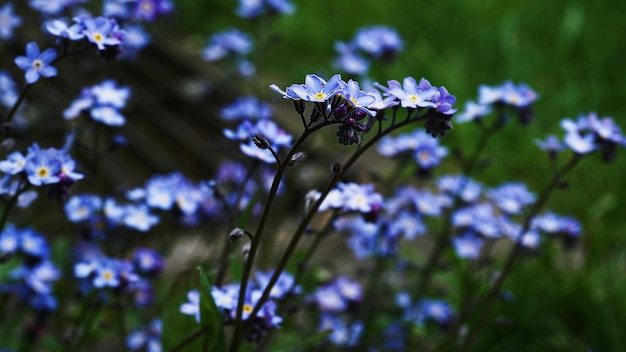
[570, 52]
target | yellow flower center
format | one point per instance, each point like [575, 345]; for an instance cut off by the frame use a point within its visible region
[108, 274]
[319, 96]
[247, 308]
[98, 37]
[43, 172]
[413, 98]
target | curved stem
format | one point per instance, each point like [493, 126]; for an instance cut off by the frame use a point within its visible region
[304, 223]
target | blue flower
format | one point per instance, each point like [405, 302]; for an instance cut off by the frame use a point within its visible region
[435, 310]
[342, 333]
[551, 144]
[256, 8]
[51, 7]
[14, 164]
[148, 261]
[225, 297]
[33, 244]
[316, 89]
[82, 207]
[108, 93]
[468, 245]
[192, 307]
[283, 286]
[149, 10]
[146, 338]
[135, 39]
[378, 41]
[8, 21]
[481, 218]
[36, 64]
[9, 240]
[42, 166]
[473, 112]
[101, 31]
[410, 94]
[139, 217]
[444, 101]
[357, 98]
[62, 30]
[467, 189]
[511, 197]
[247, 108]
[228, 42]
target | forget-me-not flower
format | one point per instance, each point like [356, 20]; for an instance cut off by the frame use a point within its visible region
[37, 64]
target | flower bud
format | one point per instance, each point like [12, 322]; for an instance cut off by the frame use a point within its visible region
[340, 112]
[235, 235]
[260, 141]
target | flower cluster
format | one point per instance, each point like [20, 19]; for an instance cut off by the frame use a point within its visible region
[103, 32]
[590, 133]
[230, 43]
[422, 148]
[257, 8]
[497, 98]
[102, 102]
[370, 43]
[338, 300]
[226, 298]
[40, 167]
[120, 276]
[32, 278]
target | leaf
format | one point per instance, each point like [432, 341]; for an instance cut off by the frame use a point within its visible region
[322, 335]
[210, 316]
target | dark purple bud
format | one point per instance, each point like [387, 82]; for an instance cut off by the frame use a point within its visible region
[340, 112]
[359, 115]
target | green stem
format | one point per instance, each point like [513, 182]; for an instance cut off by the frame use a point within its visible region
[493, 292]
[189, 339]
[304, 222]
[258, 235]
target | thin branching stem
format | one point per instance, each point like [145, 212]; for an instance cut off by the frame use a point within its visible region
[489, 298]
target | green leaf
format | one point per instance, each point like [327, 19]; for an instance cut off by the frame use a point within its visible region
[210, 316]
[322, 335]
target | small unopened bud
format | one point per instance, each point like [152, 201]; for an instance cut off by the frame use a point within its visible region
[336, 168]
[297, 159]
[359, 115]
[236, 235]
[245, 250]
[260, 141]
[310, 199]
